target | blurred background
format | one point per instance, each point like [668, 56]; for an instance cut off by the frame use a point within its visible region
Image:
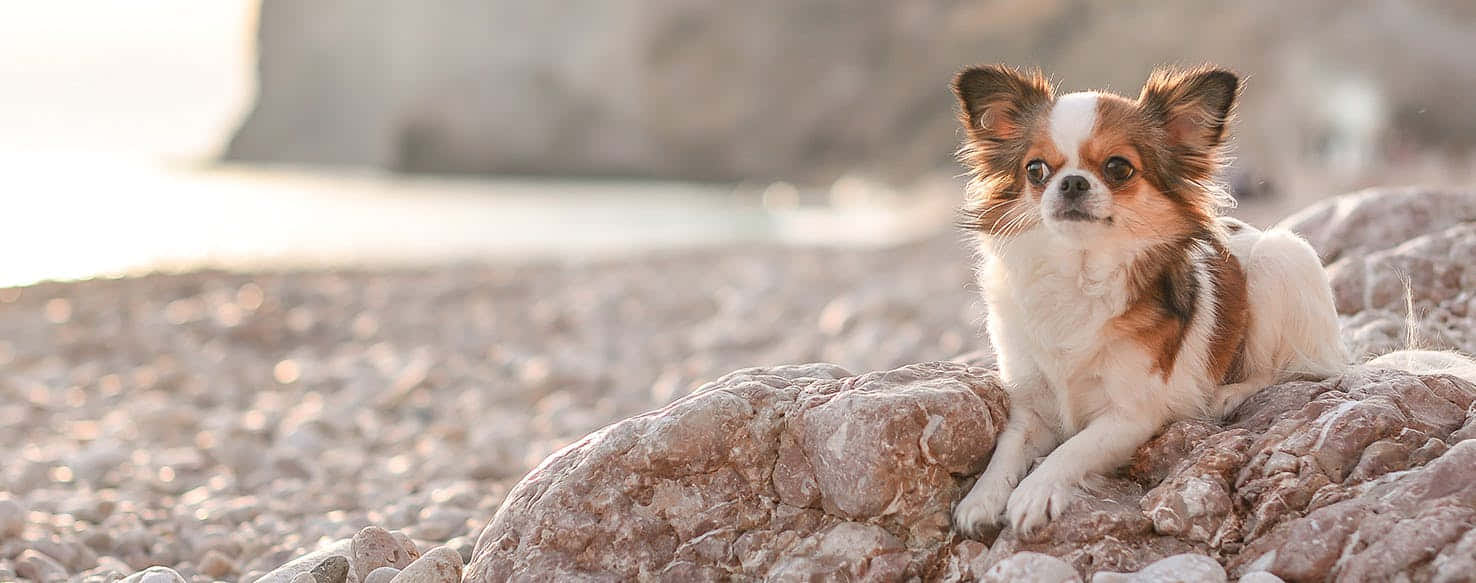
[168, 134]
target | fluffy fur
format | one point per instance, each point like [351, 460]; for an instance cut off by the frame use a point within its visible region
[1118, 298]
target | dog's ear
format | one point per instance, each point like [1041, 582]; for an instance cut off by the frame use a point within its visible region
[995, 101]
[1193, 106]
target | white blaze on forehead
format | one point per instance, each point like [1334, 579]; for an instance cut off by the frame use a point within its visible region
[1072, 119]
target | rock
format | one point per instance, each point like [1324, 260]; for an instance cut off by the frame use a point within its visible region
[438, 565]
[1302, 467]
[1175, 569]
[1378, 219]
[302, 565]
[304, 578]
[1035, 567]
[375, 547]
[333, 569]
[779, 472]
[156, 575]
[440, 523]
[1262, 577]
[382, 575]
[39, 567]
[12, 517]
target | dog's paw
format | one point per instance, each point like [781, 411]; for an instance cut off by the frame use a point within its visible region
[1038, 500]
[981, 513]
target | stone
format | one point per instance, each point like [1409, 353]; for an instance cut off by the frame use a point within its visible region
[374, 547]
[156, 575]
[1035, 567]
[746, 477]
[304, 578]
[780, 472]
[12, 517]
[1175, 569]
[302, 565]
[438, 565]
[333, 569]
[38, 567]
[1377, 219]
[381, 575]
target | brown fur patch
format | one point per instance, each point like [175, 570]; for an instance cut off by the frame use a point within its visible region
[1164, 295]
[1232, 310]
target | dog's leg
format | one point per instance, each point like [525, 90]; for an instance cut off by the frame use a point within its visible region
[1105, 443]
[1030, 433]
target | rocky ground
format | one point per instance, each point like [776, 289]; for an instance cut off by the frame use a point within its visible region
[224, 425]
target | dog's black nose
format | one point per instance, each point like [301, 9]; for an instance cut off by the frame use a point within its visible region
[1074, 186]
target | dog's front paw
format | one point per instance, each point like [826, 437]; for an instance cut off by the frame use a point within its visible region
[981, 513]
[1038, 500]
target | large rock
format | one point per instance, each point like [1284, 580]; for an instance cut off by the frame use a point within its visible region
[798, 472]
[784, 473]
[1391, 251]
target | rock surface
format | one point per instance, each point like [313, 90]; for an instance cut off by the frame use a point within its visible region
[1393, 251]
[780, 473]
[794, 472]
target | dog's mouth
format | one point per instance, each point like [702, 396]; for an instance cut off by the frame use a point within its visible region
[1076, 215]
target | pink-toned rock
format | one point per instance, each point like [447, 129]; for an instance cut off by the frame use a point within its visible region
[1378, 218]
[785, 473]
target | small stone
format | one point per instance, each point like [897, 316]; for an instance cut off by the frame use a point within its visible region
[333, 569]
[463, 545]
[1185, 567]
[12, 518]
[438, 565]
[156, 575]
[441, 523]
[1031, 567]
[304, 578]
[39, 567]
[375, 547]
[216, 565]
[1260, 577]
[382, 575]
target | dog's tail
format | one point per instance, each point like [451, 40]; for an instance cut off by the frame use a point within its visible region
[1419, 360]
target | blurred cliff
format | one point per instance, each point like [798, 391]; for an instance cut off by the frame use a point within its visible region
[1340, 94]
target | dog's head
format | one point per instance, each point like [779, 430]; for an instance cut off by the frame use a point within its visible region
[1088, 166]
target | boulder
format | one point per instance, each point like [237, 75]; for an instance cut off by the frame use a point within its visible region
[793, 472]
[782, 473]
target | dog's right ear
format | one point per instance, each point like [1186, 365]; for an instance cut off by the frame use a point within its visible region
[996, 101]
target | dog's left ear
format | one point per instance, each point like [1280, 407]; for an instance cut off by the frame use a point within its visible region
[1194, 106]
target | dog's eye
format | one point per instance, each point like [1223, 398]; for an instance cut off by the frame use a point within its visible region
[1118, 169]
[1037, 171]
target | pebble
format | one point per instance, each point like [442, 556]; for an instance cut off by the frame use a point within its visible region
[438, 565]
[1184, 567]
[216, 565]
[333, 569]
[304, 578]
[381, 575]
[39, 567]
[12, 518]
[375, 547]
[156, 575]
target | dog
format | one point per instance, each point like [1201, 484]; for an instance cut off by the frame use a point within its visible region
[1119, 299]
